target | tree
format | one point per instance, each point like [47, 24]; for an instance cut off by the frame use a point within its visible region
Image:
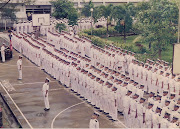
[178, 4]
[106, 11]
[86, 10]
[65, 9]
[87, 13]
[8, 13]
[158, 24]
[123, 15]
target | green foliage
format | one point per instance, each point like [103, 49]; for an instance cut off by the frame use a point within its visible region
[65, 9]
[96, 15]
[87, 13]
[96, 40]
[60, 26]
[123, 15]
[107, 12]
[8, 13]
[86, 10]
[158, 23]
[101, 31]
[141, 49]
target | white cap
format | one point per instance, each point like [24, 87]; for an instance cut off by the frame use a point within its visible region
[47, 79]
[173, 93]
[96, 113]
[20, 56]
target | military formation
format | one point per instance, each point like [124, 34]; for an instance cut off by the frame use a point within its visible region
[110, 79]
[82, 24]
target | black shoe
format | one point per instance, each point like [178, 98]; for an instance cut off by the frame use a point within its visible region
[109, 116]
[47, 109]
[106, 113]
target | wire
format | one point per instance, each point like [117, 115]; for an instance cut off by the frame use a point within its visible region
[5, 4]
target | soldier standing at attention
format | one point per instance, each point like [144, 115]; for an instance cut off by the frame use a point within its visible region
[94, 123]
[3, 52]
[19, 65]
[45, 91]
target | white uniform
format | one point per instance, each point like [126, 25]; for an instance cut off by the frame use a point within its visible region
[148, 118]
[126, 105]
[140, 115]
[133, 113]
[46, 100]
[3, 53]
[164, 123]
[19, 65]
[94, 124]
[173, 125]
[156, 120]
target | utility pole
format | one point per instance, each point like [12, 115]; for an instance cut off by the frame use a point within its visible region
[179, 26]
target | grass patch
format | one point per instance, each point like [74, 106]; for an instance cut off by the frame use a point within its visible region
[142, 52]
[129, 39]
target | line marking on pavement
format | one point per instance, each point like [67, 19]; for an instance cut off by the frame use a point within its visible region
[30, 92]
[31, 83]
[52, 124]
[8, 85]
[122, 123]
[16, 106]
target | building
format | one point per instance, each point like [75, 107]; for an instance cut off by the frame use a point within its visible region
[27, 7]
[81, 3]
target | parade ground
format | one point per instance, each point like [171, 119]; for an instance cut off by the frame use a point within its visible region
[25, 99]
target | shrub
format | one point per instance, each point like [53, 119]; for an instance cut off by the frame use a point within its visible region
[96, 40]
[60, 26]
[101, 31]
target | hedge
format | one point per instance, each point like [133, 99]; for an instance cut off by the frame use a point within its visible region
[101, 31]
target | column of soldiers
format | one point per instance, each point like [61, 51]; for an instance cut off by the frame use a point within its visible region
[70, 42]
[83, 24]
[108, 87]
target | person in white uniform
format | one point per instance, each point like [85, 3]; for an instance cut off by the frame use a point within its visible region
[94, 123]
[148, 116]
[126, 106]
[19, 65]
[3, 52]
[45, 90]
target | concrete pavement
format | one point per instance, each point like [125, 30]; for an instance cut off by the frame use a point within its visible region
[67, 109]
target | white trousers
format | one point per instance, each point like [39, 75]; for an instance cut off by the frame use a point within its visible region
[148, 124]
[46, 101]
[126, 117]
[3, 56]
[140, 122]
[20, 73]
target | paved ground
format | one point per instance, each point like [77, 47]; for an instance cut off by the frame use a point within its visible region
[28, 100]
